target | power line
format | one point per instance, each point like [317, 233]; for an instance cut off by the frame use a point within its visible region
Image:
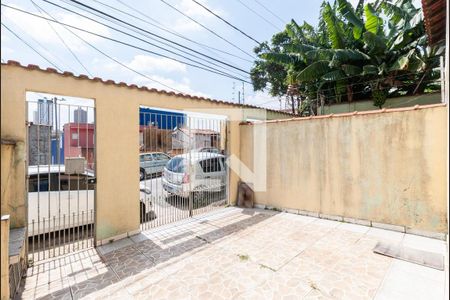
[161, 27]
[226, 22]
[356, 93]
[270, 12]
[259, 15]
[367, 81]
[362, 83]
[108, 56]
[204, 27]
[40, 45]
[31, 47]
[123, 43]
[145, 41]
[206, 67]
[62, 40]
[138, 28]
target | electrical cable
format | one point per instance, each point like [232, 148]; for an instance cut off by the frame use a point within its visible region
[64, 43]
[259, 15]
[113, 59]
[270, 12]
[361, 92]
[226, 22]
[146, 35]
[31, 47]
[124, 43]
[160, 26]
[149, 32]
[206, 28]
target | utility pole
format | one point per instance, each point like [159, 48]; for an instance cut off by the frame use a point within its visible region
[55, 104]
[239, 97]
[243, 97]
[234, 91]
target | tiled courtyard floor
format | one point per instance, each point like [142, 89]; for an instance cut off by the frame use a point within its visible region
[243, 254]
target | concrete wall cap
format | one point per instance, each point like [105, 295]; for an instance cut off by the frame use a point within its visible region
[358, 113]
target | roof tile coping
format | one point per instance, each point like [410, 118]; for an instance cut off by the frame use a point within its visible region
[145, 88]
[351, 114]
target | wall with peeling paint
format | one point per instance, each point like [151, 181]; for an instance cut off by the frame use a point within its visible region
[10, 160]
[384, 167]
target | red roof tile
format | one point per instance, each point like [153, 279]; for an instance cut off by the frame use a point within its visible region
[85, 77]
[435, 12]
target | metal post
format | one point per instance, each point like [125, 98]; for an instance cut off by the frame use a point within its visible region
[191, 200]
[443, 81]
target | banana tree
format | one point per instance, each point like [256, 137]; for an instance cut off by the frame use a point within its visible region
[375, 49]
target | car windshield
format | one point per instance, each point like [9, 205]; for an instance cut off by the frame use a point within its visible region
[176, 165]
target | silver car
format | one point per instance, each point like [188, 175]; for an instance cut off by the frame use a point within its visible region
[195, 173]
[152, 163]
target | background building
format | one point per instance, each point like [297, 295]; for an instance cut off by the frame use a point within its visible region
[79, 141]
[44, 113]
[80, 116]
[39, 141]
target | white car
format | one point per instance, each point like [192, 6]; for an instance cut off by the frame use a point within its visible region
[64, 201]
[195, 172]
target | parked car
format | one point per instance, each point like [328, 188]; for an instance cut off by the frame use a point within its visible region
[152, 163]
[207, 150]
[57, 197]
[195, 173]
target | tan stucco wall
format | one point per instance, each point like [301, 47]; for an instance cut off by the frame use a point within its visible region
[117, 137]
[10, 162]
[384, 167]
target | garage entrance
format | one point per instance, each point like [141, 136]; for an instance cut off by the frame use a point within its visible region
[60, 174]
[182, 165]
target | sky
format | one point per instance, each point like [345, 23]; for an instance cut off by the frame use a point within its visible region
[247, 15]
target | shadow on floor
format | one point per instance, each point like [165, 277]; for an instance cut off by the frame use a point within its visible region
[143, 253]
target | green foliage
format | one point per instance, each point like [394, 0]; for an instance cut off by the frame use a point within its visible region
[350, 49]
[379, 98]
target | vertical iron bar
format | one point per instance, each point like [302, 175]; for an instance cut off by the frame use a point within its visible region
[43, 225]
[49, 137]
[39, 180]
[189, 165]
[58, 158]
[32, 239]
[78, 178]
[54, 237]
[64, 234]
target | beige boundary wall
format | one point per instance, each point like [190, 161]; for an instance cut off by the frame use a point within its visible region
[117, 137]
[384, 166]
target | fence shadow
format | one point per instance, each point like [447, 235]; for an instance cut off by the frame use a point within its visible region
[143, 253]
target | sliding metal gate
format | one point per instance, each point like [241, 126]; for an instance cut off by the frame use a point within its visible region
[182, 166]
[60, 177]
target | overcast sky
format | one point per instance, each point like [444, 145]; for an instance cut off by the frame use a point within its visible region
[170, 73]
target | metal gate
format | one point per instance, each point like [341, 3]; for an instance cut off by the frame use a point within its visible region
[183, 169]
[60, 176]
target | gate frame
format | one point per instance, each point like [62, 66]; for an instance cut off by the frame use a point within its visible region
[115, 219]
[27, 160]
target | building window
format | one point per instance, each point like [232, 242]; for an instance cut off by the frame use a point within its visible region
[74, 136]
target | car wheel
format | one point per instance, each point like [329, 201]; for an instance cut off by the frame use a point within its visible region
[143, 214]
[198, 199]
[141, 174]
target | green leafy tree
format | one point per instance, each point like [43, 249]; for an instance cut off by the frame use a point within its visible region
[375, 50]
